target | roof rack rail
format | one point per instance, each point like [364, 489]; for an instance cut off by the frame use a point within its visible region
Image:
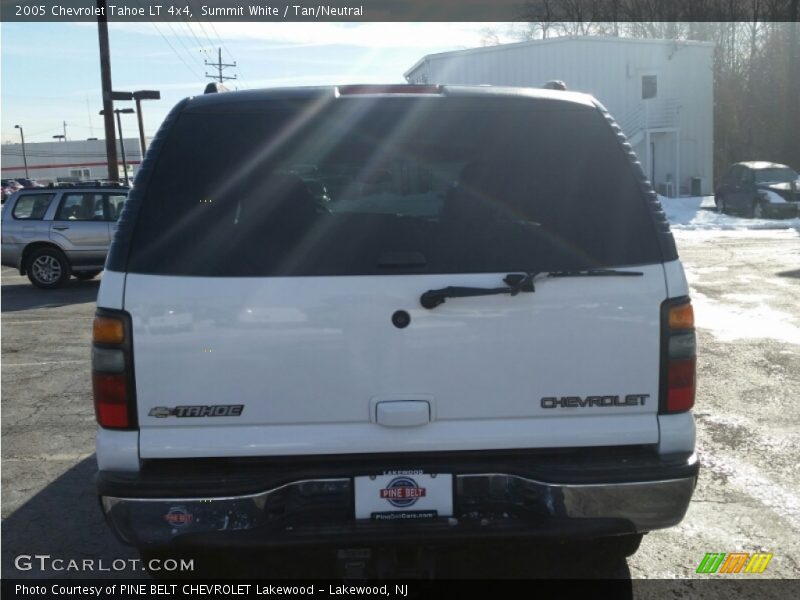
[87, 184]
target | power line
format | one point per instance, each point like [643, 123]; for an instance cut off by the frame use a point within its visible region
[196, 39]
[32, 133]
[182, 43]
[175, 51]
[219, 37]
[205, 34]
[224, 47]
[153, 23]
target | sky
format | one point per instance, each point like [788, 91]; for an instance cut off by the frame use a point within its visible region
[50, 72]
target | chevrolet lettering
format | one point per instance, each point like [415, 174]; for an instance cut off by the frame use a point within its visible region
[589, 401]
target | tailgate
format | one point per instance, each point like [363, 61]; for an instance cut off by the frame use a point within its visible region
[318, 366]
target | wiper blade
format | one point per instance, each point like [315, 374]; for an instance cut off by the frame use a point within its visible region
[515, 283]
[595, 273]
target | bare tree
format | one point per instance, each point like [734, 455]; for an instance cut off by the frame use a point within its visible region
[489, 36]
[545, 14]
[756, 59]
[791, 145]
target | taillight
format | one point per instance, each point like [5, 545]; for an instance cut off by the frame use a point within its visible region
[112, 370]
[678, 356]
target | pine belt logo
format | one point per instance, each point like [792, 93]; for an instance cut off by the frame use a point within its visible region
[734, 562]
[178, 516]
[402, 492]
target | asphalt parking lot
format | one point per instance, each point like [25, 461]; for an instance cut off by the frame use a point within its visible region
[746, 289]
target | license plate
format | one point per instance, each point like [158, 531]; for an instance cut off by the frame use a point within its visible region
[404, 495]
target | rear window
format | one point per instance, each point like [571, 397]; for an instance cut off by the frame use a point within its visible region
[85, 206]
[32, 206]
[360, 186]
[775, 175]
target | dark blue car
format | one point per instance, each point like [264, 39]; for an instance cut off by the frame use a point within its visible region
[759, 190]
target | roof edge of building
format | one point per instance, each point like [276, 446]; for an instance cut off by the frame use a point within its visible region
[555, 40]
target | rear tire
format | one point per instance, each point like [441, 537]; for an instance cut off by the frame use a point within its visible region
[86, 275]
[48, 268]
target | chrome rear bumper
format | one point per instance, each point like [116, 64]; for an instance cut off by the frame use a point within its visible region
[485, 504]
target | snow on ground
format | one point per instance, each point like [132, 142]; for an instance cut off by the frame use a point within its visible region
[732, 305]
[729, 322]
[739, 314]
[699, 212]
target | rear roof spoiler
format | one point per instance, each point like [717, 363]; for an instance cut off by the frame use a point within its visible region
[555, 84]
[215, 88]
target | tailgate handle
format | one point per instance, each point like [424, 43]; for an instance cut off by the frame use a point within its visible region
[403, 413]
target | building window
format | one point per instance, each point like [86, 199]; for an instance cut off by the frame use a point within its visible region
[649, 86]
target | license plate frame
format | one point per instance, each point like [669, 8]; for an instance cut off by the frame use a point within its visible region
[403, 495]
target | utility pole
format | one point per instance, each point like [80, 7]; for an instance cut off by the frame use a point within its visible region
[24, 154]
[219, 66]
[139, 96]
[65, 130]
[89, 112]
[108, 105]
[118, 112]
[122, 142]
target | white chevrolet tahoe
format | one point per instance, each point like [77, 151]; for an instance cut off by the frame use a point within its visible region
[479, 329]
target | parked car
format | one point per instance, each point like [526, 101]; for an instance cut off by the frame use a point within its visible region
[759, 190]
[9, 186]
[28, 183]
[516, 360]
[6, 191]
[52, 233]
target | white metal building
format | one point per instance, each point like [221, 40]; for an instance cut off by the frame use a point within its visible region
[66, 161]
[659, 91]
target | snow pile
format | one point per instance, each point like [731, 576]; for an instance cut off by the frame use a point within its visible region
[699, 212]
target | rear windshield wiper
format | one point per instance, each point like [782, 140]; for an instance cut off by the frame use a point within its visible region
[515, 283]
[595, 273]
